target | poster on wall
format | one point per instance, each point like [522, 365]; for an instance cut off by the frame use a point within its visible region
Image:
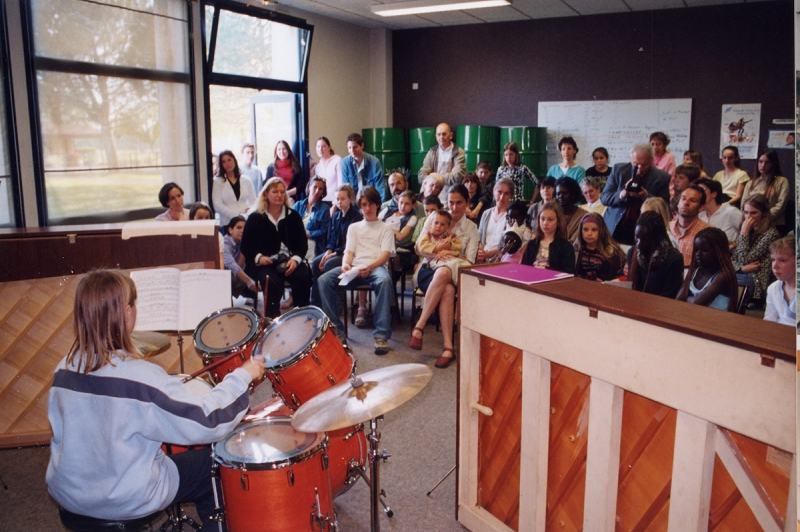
[780, 139]
[740, 126]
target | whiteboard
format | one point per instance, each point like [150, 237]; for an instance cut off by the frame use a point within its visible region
[616, 125]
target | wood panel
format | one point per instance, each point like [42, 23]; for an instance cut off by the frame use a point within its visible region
[36, 332]
[566, 473]
[645, 469]
[499, 435]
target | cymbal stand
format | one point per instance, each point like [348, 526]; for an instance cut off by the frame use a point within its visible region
[180, 349]
[376, 492]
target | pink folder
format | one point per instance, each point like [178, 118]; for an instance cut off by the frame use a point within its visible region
[523, 274]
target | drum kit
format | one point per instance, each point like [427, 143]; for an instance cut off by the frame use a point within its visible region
[292, 455]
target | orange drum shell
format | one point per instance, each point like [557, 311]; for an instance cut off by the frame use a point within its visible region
[217, 374]
[340, 452]
[271, 504]
[306, 378]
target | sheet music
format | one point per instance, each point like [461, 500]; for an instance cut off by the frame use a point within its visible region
[202, 292]
[158, 292]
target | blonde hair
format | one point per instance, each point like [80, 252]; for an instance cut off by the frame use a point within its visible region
[98, 317]
[656, 204]
[561, 230]
[263, 203]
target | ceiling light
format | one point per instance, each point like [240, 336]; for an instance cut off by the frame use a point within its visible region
[433, 6]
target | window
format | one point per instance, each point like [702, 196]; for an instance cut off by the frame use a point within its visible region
[114, 106]
[8, 195]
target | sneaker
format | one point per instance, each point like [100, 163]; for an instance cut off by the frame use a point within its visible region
[381, 347]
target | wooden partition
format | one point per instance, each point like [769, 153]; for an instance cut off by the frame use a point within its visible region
[591, 407]
[39, 272]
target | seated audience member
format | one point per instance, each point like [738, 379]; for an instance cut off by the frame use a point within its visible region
[722, 215]
[767, 180]
[432, 204]
[248, 170]
[442, 249]
[517, 234]
[751, 257]
[110, 411]
[654, 265]
[567, 167]
[370, 243]
[446, 159]
[685, 175]
[346, 214]
[662, 159]
[549, 247]
[360, 169]
[600, 169]
[687, 223]
[591, 187]
[493, 221]
[628, 186]
[440, 288]
[316, 216]
[329, 168]
[658, 205]
[171, 197]
[599, 257]
[403, 222]
[397, 185]
[484, 174]
[200, 211]
[274, 244]
[432, 185]
[732, 177]
[696, 158]
[711, 280]
[547, 190]
[287, 167]
[476, 206]
[781, 295]
[231, 195]
[568, 193]
[234, 260]
[512, 168]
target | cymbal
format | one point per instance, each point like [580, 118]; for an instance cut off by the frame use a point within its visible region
[149, 342]
[358, 400]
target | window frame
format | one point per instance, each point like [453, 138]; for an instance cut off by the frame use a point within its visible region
[18, 219]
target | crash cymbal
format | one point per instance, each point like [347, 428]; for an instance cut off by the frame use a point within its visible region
[358, 400]
[150, 343]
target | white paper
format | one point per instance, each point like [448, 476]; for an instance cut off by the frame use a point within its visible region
[203, 292]
[184, 227]
[348, 276]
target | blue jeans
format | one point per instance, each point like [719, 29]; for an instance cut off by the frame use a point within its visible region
[381, 283]
[749, 281]
[331, 263]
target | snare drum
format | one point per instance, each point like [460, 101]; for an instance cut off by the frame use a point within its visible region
[199, 387]
[227, 331]
[275, 478]
[303, 355]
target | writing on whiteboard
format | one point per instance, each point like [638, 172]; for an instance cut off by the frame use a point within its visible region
[616, 125]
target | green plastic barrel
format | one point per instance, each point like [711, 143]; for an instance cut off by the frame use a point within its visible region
[389, 145]
[420, 140]
[532, 144]
[480, 143]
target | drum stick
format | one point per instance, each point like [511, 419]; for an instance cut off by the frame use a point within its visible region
[211, 366]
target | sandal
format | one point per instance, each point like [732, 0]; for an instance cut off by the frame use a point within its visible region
[444, 361]
[361, 316]
[414, 342]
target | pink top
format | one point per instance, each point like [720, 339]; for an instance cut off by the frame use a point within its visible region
[331, 171]
[666, 162]
[167, 216]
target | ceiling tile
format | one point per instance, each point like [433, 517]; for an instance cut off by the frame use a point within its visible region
[544, 8]
[647, 5]
[451, 18]
[499, 14]
[593, 7]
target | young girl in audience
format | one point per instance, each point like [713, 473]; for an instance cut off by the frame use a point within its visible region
[513, 169]
[732, 177]
[781, 295]
[600, 258]
[549, 248]
[767, 180]
[662, 159]
[171, 197]
[711, 280]
[655, 266]
[600, 168]
[475, 208]
[516, 229]
[547, 189]
[443, 244]
[751, 258]
[658, 205]
[591, 187]
[402, 223]
[696, 158]
[567, 167]
[200, 211]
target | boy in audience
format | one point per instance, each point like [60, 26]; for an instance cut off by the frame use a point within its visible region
[720, 215]
[431, 205]
[685, 175]
[234, 260]
[484, 172]
[781, 295]
[370, 243]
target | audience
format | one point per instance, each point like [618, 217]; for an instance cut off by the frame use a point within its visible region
[432, 185]
[732, 177]
[476, 205]
[685, 175]
[722, 215]
[654, 265]
[600, 169]
[549, 247]
[547, 189]
[445, 159]
[248, 170]
[516, 229]
[287, 167]
[711, 280]
[781, 295]
[767, 180]
[171, 197]
[600, 258]
[658, 205]
[316, 216]
[234, 260]
[360, 169]
[512, 168]
[403, 221]
[751, 255]
[662, 159]
[231, 195]
[370, 243]
[484, 173]
[687, 223]
[397, 185]
[567, 167]
[200, 211]
[591, 187]
[493, 221]
[696, 158]
[329, 168]
[568, 193]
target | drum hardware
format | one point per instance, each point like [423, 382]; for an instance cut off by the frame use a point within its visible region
[213, 365]
[176, 519]
[316, 359]
[442, 480]
[331, 380]
[317, 519]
